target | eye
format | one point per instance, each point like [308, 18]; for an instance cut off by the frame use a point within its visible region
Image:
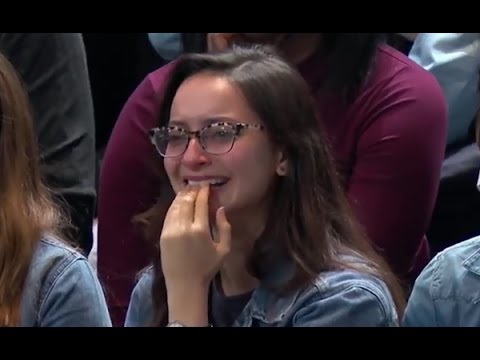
[175, 135]
[219, 133]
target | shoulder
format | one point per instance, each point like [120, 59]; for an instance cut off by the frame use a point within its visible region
[397, 82]
[55, 254]
[352, 298]
[60, 285]
[398, 104]
[392, 66]
[158, 77]
[455, 272]
[129, 150]
[52, 259]
[140, 309]
[139, 113]
[343, 297]
[448, 289]
[153, 84]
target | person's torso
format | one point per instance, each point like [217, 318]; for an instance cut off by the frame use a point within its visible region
[326, 301]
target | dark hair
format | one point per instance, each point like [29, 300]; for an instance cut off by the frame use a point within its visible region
[349, 59]
[311, 224]
[348, 56]
[194, 42]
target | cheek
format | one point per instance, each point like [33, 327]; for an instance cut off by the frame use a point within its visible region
[253, 164]
[171, 169]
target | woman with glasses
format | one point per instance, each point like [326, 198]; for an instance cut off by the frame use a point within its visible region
[258, 232]
[377, 107]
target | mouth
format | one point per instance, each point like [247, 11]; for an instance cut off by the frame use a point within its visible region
[213, 182]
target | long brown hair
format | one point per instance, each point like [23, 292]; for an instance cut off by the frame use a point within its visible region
[26, 208]
[311, 223]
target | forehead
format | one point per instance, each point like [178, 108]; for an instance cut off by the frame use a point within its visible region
[206, 96]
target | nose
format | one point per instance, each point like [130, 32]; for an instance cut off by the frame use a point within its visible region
[195, 155]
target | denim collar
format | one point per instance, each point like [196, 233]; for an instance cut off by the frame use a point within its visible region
[472, 263]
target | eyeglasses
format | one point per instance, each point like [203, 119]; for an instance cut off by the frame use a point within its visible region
[215, 139]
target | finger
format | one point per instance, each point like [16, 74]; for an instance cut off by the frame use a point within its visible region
[187, 204]
[201, 207]
[176, 211]
[224, 232]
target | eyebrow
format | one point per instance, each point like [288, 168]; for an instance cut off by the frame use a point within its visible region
[204, 122]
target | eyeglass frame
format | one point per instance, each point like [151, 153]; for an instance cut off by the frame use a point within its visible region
[237, 127]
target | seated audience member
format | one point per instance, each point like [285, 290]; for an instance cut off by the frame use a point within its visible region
[53, 67]
[447, 292]
[44, 281]
[259, 232]
[454, 60]
[376, 106]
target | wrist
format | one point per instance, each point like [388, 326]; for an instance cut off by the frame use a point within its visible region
[188, 305]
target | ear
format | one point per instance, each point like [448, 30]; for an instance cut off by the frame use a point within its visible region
[219, 41]
[282, 164]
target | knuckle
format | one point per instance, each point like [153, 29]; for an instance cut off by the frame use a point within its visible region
[189, 198]
[198, 231]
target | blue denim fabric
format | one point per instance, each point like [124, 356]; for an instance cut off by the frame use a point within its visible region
[62, 290]
[447, 292]
[337, 298]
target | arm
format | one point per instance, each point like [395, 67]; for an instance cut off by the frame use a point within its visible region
[454, 60]
[54, 69]
[396, 175]
[354, 305]
[128, 187]
[420, 310]
[75, 299]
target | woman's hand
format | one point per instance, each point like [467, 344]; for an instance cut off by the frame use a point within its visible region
[190, 257]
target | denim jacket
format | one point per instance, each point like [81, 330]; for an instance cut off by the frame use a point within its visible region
[447, 292]
[62, 290]
[336, 298]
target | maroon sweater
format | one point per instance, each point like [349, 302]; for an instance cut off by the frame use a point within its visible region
[389, 145]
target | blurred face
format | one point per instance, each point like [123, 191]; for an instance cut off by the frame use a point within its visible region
[241, 176]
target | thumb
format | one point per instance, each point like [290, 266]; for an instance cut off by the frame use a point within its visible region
[224, 232]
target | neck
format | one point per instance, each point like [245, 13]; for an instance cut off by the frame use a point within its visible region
[234, 275]
[300, 46]
[235, 278]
